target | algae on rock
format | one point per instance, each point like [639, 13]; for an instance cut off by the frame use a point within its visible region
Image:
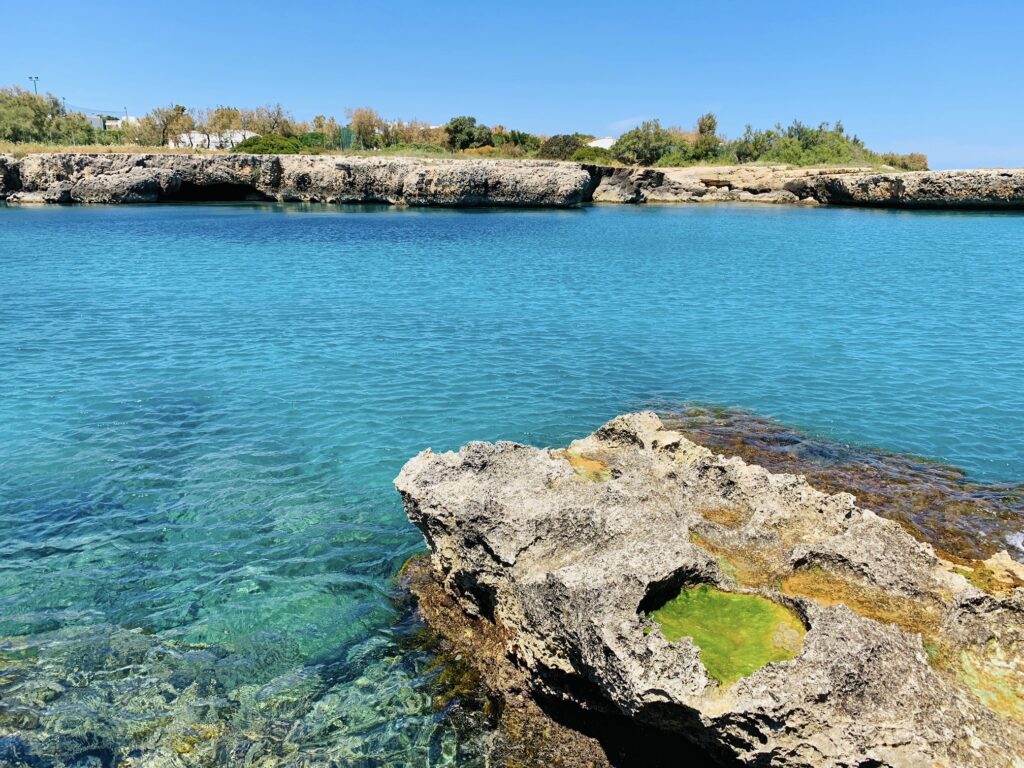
[737, 633]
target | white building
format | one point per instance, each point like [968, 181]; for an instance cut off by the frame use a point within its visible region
[605, 143]
[117, 123]
[201, 140]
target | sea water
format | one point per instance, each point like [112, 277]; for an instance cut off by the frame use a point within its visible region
[202, 409]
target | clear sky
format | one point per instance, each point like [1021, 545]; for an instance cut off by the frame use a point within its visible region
[937, 76]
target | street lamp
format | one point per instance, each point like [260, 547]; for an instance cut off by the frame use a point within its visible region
[35, 84]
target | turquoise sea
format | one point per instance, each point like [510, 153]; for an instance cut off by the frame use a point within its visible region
[202, 409]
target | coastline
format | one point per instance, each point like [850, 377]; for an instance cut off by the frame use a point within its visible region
[68, 178]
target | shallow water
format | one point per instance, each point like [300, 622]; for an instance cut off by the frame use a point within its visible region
[202, 408]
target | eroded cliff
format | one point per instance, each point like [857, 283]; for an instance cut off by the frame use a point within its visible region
[142, 178]
[146, 178]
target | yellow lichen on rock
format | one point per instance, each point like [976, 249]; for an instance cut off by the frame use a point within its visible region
[588, 468]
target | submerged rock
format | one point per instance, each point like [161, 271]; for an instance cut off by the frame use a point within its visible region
[570, 561]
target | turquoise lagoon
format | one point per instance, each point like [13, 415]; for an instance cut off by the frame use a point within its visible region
[202, 409]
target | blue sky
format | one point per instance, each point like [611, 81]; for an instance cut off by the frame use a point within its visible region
[939, 77]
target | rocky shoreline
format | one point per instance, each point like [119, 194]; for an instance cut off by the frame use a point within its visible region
[552, 569]
[65, 178]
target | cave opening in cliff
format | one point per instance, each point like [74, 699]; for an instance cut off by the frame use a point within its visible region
[190, 192]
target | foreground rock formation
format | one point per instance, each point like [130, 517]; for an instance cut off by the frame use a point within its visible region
[551, 563]
[147, 178]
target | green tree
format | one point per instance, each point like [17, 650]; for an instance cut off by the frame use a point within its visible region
[368, 127]
[707, 124]
[27, 117]
[706, 145]
[171, 121]
[465, 133]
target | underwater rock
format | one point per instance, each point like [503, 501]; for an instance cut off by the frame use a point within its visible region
[571, 560]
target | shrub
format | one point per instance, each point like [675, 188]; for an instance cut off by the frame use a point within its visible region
[527, 142]
[415, 149]
[561, 146]
[644, 145]
[593, 155]
[801, 144]
[915, 161]
[269, 145]
[481, 151]
[675, 158]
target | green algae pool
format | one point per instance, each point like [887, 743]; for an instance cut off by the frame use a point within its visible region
[737, 634]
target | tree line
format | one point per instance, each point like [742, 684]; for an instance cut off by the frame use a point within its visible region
[29, 118]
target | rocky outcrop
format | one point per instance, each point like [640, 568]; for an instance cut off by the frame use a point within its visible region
[751, 184]
[984, 189]
[566, 558]
[145, 178]
[987, 189]
[141, 178]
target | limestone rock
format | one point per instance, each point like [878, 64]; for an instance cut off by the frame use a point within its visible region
[567, 552]
[136, 178]
[996, 188]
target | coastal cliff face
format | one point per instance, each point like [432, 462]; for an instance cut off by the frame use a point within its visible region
[982, 189]
[566, 575]
[146, 178]
[918, 189]
[140, 178]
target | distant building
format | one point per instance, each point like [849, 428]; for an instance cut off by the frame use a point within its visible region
[605, 143]
[201, 140]
[117, 123]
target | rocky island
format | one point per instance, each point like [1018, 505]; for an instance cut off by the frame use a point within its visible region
[66, 178]
[636, 588]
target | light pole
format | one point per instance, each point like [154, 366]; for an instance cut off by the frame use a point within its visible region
[35, 84]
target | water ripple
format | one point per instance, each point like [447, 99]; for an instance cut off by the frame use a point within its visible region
[202, 408]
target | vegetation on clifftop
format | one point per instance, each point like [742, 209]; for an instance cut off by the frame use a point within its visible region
[797, 144]
[30, 122]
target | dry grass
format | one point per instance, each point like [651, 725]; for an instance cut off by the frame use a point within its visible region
[20, 150]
